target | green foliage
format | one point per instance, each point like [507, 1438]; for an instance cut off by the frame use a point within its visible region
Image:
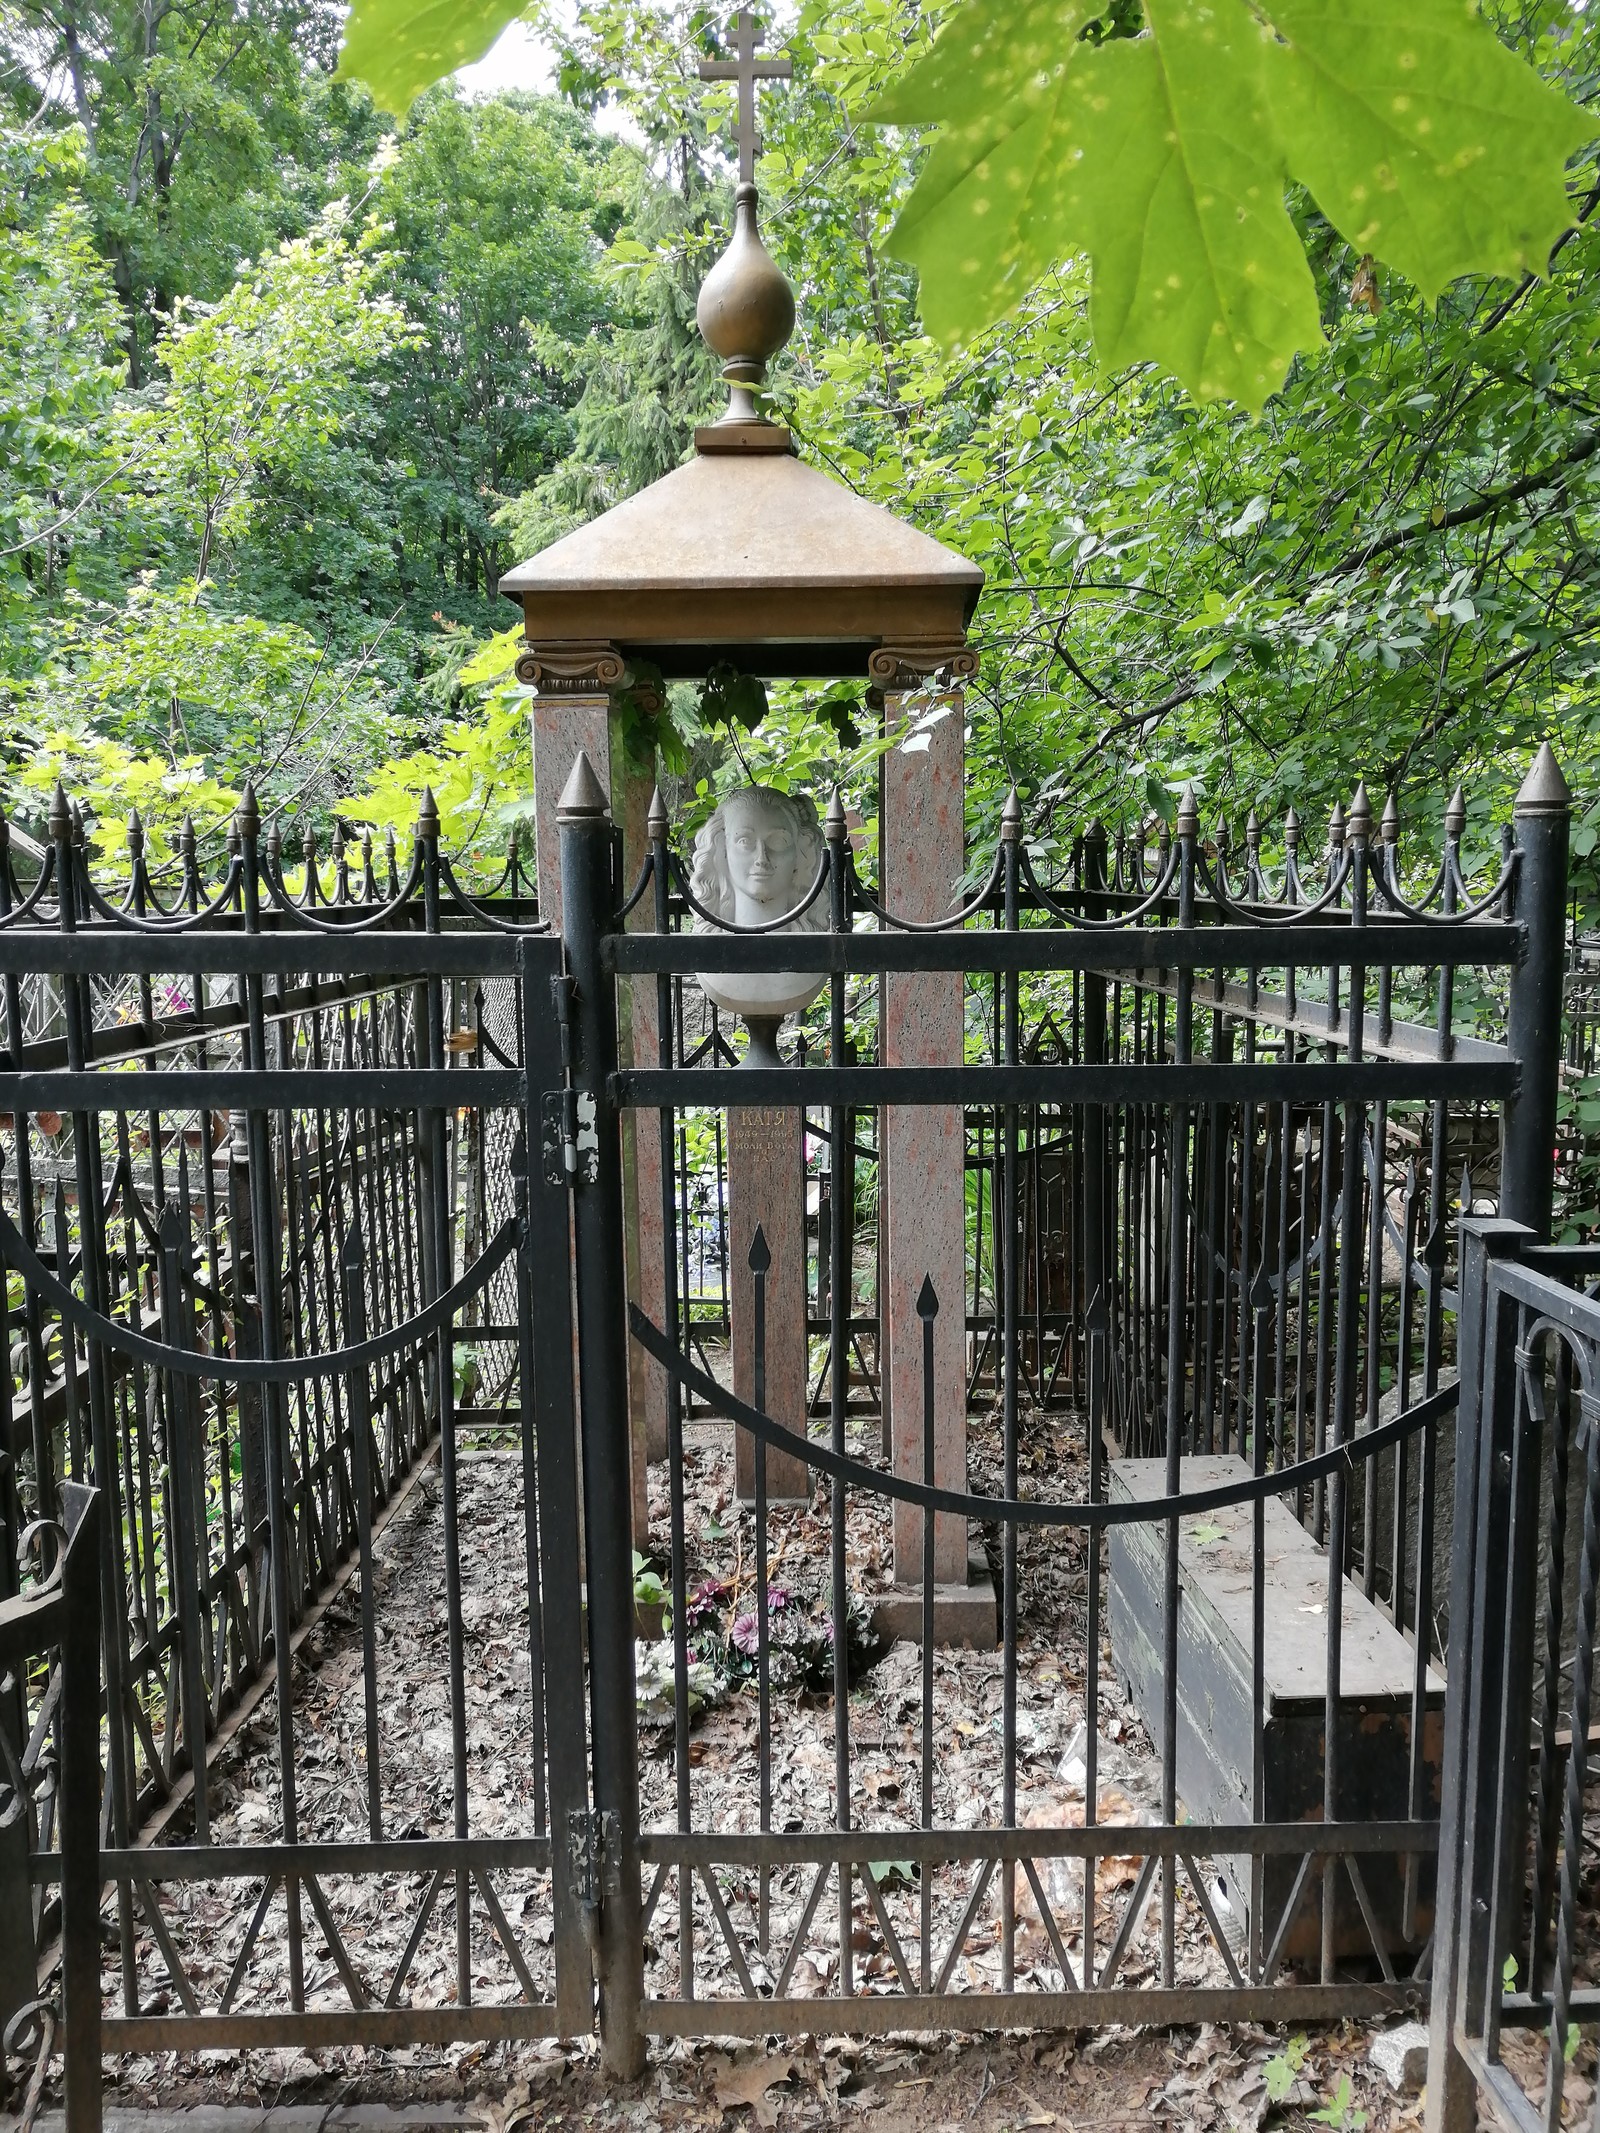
[648, 1589]
[496, 215]
[205, 133]
[398, 48]
[479, 770]
[263, 459]
[58, 314]
[731, 698]
[268, 547]
[260, 380]
[1284, 2068]
[1165, 158]
[1341, 2110]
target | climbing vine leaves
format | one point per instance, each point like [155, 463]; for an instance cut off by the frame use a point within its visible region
[1165, 157]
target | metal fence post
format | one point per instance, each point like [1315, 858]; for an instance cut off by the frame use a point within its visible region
[1543, 818]
[78, 1828]
[588, 913]
[1452, 2100]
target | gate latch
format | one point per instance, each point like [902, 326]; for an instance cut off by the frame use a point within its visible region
[591, 1837]
[567, 1135]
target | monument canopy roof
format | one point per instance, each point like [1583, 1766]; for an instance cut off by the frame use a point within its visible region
[747, 554]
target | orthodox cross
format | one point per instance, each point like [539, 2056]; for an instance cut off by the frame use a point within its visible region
[746, 70]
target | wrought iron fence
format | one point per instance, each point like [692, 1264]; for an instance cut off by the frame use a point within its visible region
[301, 1186]
[263, 1222]
[1517, 1975]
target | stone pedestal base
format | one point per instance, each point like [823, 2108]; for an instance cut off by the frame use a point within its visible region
[967, 1615]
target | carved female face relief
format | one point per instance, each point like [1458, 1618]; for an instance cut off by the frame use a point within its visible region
[753, 862]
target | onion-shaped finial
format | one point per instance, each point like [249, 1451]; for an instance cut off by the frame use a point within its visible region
[746, 310]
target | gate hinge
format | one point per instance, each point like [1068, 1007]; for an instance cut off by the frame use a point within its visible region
[568, 1138]
[593, 1837]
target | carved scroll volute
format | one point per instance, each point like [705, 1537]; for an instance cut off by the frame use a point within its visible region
[895, 669]
[571, 669]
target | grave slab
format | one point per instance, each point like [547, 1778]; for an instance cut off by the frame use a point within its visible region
[1217, 1780]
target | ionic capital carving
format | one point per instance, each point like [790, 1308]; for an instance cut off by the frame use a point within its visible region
[896, 668]
[570, 669]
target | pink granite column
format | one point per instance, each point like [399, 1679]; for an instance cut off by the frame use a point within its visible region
[922, 1183]
[562, 725]
[766, 1186]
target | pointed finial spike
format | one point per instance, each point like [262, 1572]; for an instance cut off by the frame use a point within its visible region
[60, 815]
[760, 1252]
[1011, 817]
[927, 1299]
[427, 816]
[1545, 790]
[135, 834]
[247, 815]
[1359, 826]
[1336, 827]
[1455, 815]
[655, 822]
[1188, 822]
[836, 824]
[583, 797]
[1391, 820]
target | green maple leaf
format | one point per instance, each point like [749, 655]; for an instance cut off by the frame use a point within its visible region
[401, 47]
[1164, 159]
[1421, 138]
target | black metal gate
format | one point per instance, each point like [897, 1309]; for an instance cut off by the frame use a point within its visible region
[1259, 1283]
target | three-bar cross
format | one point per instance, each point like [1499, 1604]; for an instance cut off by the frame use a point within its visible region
[746, 70]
